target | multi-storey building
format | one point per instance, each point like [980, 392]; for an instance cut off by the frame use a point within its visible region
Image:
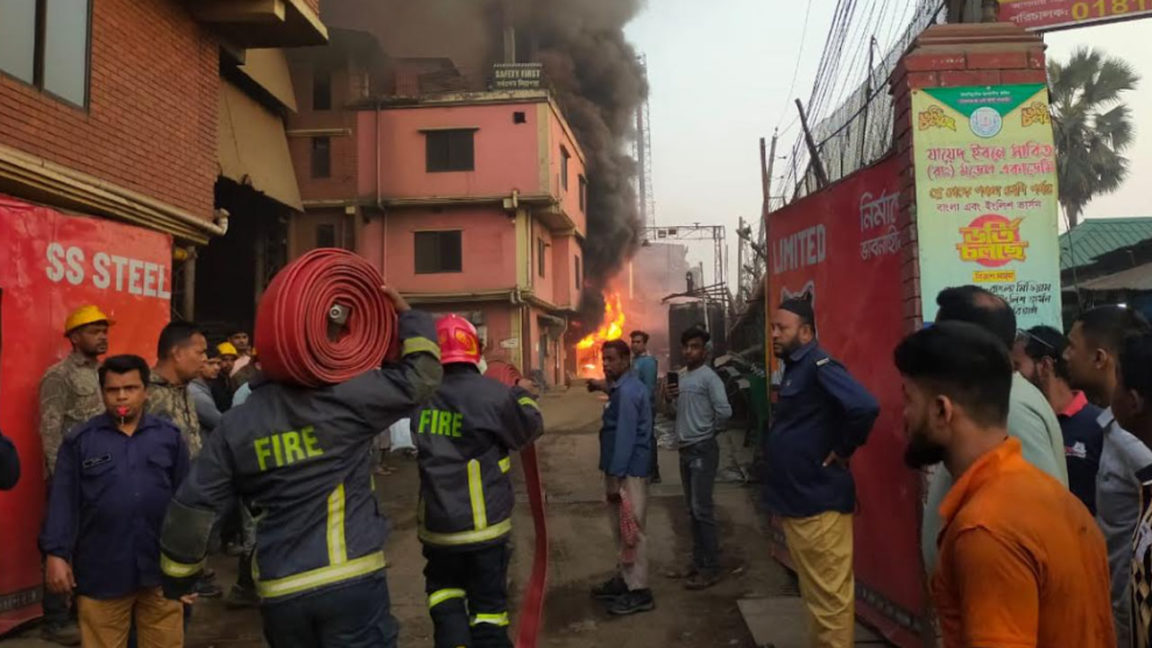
[468, 201]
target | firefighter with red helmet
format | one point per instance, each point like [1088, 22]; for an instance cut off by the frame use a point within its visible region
[464, 435]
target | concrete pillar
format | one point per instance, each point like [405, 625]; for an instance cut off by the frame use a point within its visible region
[942, 56]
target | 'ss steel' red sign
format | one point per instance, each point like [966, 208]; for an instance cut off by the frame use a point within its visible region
[1048, 15]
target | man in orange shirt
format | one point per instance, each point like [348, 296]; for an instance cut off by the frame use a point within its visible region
[1021, 561]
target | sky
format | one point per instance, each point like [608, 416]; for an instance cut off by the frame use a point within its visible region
[721, 76]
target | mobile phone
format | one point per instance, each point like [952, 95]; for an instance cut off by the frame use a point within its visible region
[673, 378]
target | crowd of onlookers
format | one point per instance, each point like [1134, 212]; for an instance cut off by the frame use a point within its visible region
[117, 422]
[1037, 528]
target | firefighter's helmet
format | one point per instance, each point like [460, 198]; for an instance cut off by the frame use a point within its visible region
[459, 341]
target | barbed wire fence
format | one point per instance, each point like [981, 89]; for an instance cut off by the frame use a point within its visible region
[856, 131]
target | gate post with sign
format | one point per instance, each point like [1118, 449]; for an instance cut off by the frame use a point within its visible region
[978, 202]
[952, 56]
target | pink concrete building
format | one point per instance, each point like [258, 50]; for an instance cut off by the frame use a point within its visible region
[468, 202]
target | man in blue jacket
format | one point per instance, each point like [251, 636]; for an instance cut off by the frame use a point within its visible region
[625, 459]
[645, 367]
[822, 415]
[114, 478]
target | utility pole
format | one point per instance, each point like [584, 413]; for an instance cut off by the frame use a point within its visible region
[817, 164]
[867, 101]
[740, 264]
[766, 167]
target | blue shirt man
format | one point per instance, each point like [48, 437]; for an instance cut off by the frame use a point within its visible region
[114, 478]
[626, 446]
[822, 415]
[625, 434]
[645, 368]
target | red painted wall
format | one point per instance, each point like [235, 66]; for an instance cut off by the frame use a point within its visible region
[51, 264]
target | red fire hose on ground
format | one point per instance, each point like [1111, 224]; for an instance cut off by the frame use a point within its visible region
[324, 320]
[532, 607]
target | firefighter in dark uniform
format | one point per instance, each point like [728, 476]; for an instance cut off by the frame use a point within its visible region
[300, 461]
[463, 436]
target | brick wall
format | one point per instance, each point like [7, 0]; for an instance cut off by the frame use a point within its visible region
[150, 124]
[943, 56]
[343, 181]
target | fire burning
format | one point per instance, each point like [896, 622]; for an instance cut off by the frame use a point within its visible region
[612, 328]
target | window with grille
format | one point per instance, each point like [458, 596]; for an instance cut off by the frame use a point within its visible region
[438, 252]
[450, 150]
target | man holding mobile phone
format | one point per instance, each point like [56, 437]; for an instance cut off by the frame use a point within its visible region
[702, 410]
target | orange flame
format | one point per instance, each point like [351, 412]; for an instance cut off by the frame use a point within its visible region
[612, 328]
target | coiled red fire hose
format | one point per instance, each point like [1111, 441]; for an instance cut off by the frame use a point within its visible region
[324, 320]
[532, 606]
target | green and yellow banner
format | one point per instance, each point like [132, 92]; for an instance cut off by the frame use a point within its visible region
[986, 201]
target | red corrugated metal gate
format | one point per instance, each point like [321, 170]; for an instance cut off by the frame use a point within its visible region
[50, 264]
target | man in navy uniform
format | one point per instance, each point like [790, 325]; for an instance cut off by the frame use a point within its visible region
[822, 415]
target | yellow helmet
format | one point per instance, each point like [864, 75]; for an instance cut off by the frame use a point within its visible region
[83, 316]
[226, 348]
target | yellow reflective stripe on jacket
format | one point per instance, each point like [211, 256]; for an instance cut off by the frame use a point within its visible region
[314, 578]
[337, 548]
[500, 619]
[178, 569]
[465, 537]
[439, 596]
[476, 493]
[420, 345]
[506, 464]
[524, 400]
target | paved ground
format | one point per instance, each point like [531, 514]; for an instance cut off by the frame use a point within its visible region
[581, 555]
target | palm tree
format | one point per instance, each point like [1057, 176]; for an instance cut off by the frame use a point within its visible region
[1091, 126]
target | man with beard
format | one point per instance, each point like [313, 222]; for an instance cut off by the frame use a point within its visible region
[1007, 575]
[1030, 417]
[1094, 346]
[1039, 357]
[69, 396]
[1132, 405]
[821, 417]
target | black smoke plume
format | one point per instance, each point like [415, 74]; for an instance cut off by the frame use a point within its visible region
[599, 84]
[592, 69]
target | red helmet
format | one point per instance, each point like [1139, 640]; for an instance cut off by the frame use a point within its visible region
[458, 340]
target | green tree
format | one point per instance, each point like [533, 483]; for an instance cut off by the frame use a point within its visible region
[1092, 127]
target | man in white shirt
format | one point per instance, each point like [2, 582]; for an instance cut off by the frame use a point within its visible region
[1094, 345]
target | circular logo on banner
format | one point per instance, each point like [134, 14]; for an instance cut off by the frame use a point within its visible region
[985, 122]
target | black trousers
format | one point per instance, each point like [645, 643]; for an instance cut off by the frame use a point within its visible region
[468, 597]
[355, 616]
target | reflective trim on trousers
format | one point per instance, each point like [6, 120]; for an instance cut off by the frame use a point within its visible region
[439, 596]
[500, 619]
[465, 537]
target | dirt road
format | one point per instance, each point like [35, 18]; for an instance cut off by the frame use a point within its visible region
[582, 555]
